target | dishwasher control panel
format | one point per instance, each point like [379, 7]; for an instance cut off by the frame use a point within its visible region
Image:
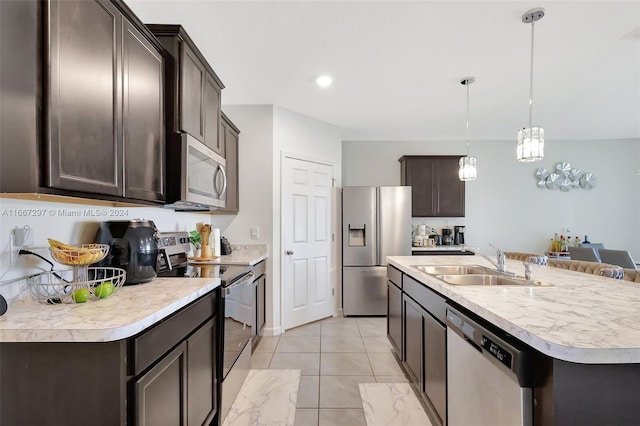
[498, 352]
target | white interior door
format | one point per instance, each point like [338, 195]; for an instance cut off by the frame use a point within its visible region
[307, 219]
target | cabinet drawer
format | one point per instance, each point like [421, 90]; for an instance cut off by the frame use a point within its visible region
[152, 344]
[395, 276]
[431, 301]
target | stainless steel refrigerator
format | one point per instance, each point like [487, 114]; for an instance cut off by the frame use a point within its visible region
[376, 223]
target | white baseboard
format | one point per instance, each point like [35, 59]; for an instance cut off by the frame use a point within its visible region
[272, 331]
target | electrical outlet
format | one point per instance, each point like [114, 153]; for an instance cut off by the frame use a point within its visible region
[255, 233]
[19, 237]
[23, 236]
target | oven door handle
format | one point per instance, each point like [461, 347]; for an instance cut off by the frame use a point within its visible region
[238, 283]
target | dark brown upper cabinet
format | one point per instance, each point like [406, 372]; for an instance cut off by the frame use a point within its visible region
[143, 117]
[85, 146]
[94, 78]
[436, 189]
[229, 134]
[193, 88]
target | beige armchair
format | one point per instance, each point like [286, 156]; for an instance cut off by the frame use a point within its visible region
[594, 268]
[516, 255]
[632, 275]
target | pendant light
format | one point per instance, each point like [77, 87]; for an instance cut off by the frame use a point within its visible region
[531, 139]
[467, 169]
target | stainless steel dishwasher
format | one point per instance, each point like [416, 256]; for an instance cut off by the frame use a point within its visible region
[489, 381]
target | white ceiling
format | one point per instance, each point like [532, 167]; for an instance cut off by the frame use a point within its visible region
[397, 65]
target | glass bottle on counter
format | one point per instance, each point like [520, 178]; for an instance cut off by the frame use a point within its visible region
[555, 245]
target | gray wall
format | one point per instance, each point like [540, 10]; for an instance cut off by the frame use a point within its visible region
[504, 206]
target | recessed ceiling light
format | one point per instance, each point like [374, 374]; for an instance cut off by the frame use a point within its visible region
[324, 81]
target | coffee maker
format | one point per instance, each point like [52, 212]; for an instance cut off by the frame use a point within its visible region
[458, 237]
[447, 237]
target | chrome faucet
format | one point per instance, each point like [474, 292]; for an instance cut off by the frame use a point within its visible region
[528, 274]
[501, 260]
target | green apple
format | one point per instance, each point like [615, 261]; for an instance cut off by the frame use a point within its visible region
[80, 295]
[105, 289]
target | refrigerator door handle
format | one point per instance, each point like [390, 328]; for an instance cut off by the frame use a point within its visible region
[379, 240]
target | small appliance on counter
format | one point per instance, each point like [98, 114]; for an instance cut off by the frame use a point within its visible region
[447, 236]
[437, 239]
[225, 246]
[133, 246]
[458, 235]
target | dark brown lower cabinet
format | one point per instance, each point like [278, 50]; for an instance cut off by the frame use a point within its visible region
[160, 394]
[394, 316]
[425, 357]
[435, 364]
[202, 381]
[413, 338]
[181, 388]
[168, 375]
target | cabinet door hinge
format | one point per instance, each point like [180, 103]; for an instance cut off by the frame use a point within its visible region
[333, 291]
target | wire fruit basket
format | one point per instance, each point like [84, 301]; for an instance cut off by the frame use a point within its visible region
[79, 256]
[81, 283]
[55, 287]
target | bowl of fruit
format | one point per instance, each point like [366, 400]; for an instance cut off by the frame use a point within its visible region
[81, 283]
[77, 254]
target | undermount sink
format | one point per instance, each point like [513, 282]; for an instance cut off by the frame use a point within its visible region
[456, 270]
[490, 280]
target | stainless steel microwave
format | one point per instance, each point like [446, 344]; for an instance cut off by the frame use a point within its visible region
[201, 175]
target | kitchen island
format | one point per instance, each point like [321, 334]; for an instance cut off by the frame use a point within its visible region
[585, 330]
[148, 354]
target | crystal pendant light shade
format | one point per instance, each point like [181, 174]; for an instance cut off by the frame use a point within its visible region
[530, 144]
[468, 170]
[531, 139]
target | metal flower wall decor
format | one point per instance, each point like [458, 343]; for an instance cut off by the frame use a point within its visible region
[565, 178]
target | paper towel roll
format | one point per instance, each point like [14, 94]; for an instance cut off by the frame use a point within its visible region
[216, 241]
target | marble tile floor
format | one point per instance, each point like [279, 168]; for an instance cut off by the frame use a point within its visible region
[267, 398]
[334, 356]
[392, 404]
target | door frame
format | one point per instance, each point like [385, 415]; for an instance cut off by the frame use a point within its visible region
[334, 237]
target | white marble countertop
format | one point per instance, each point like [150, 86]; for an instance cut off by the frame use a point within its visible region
[243, 255]
[584, 318]
[127, 312]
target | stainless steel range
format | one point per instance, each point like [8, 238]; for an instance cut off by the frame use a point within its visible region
[238, 309]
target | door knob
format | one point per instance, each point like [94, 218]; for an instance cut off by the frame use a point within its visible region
[289, 252]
